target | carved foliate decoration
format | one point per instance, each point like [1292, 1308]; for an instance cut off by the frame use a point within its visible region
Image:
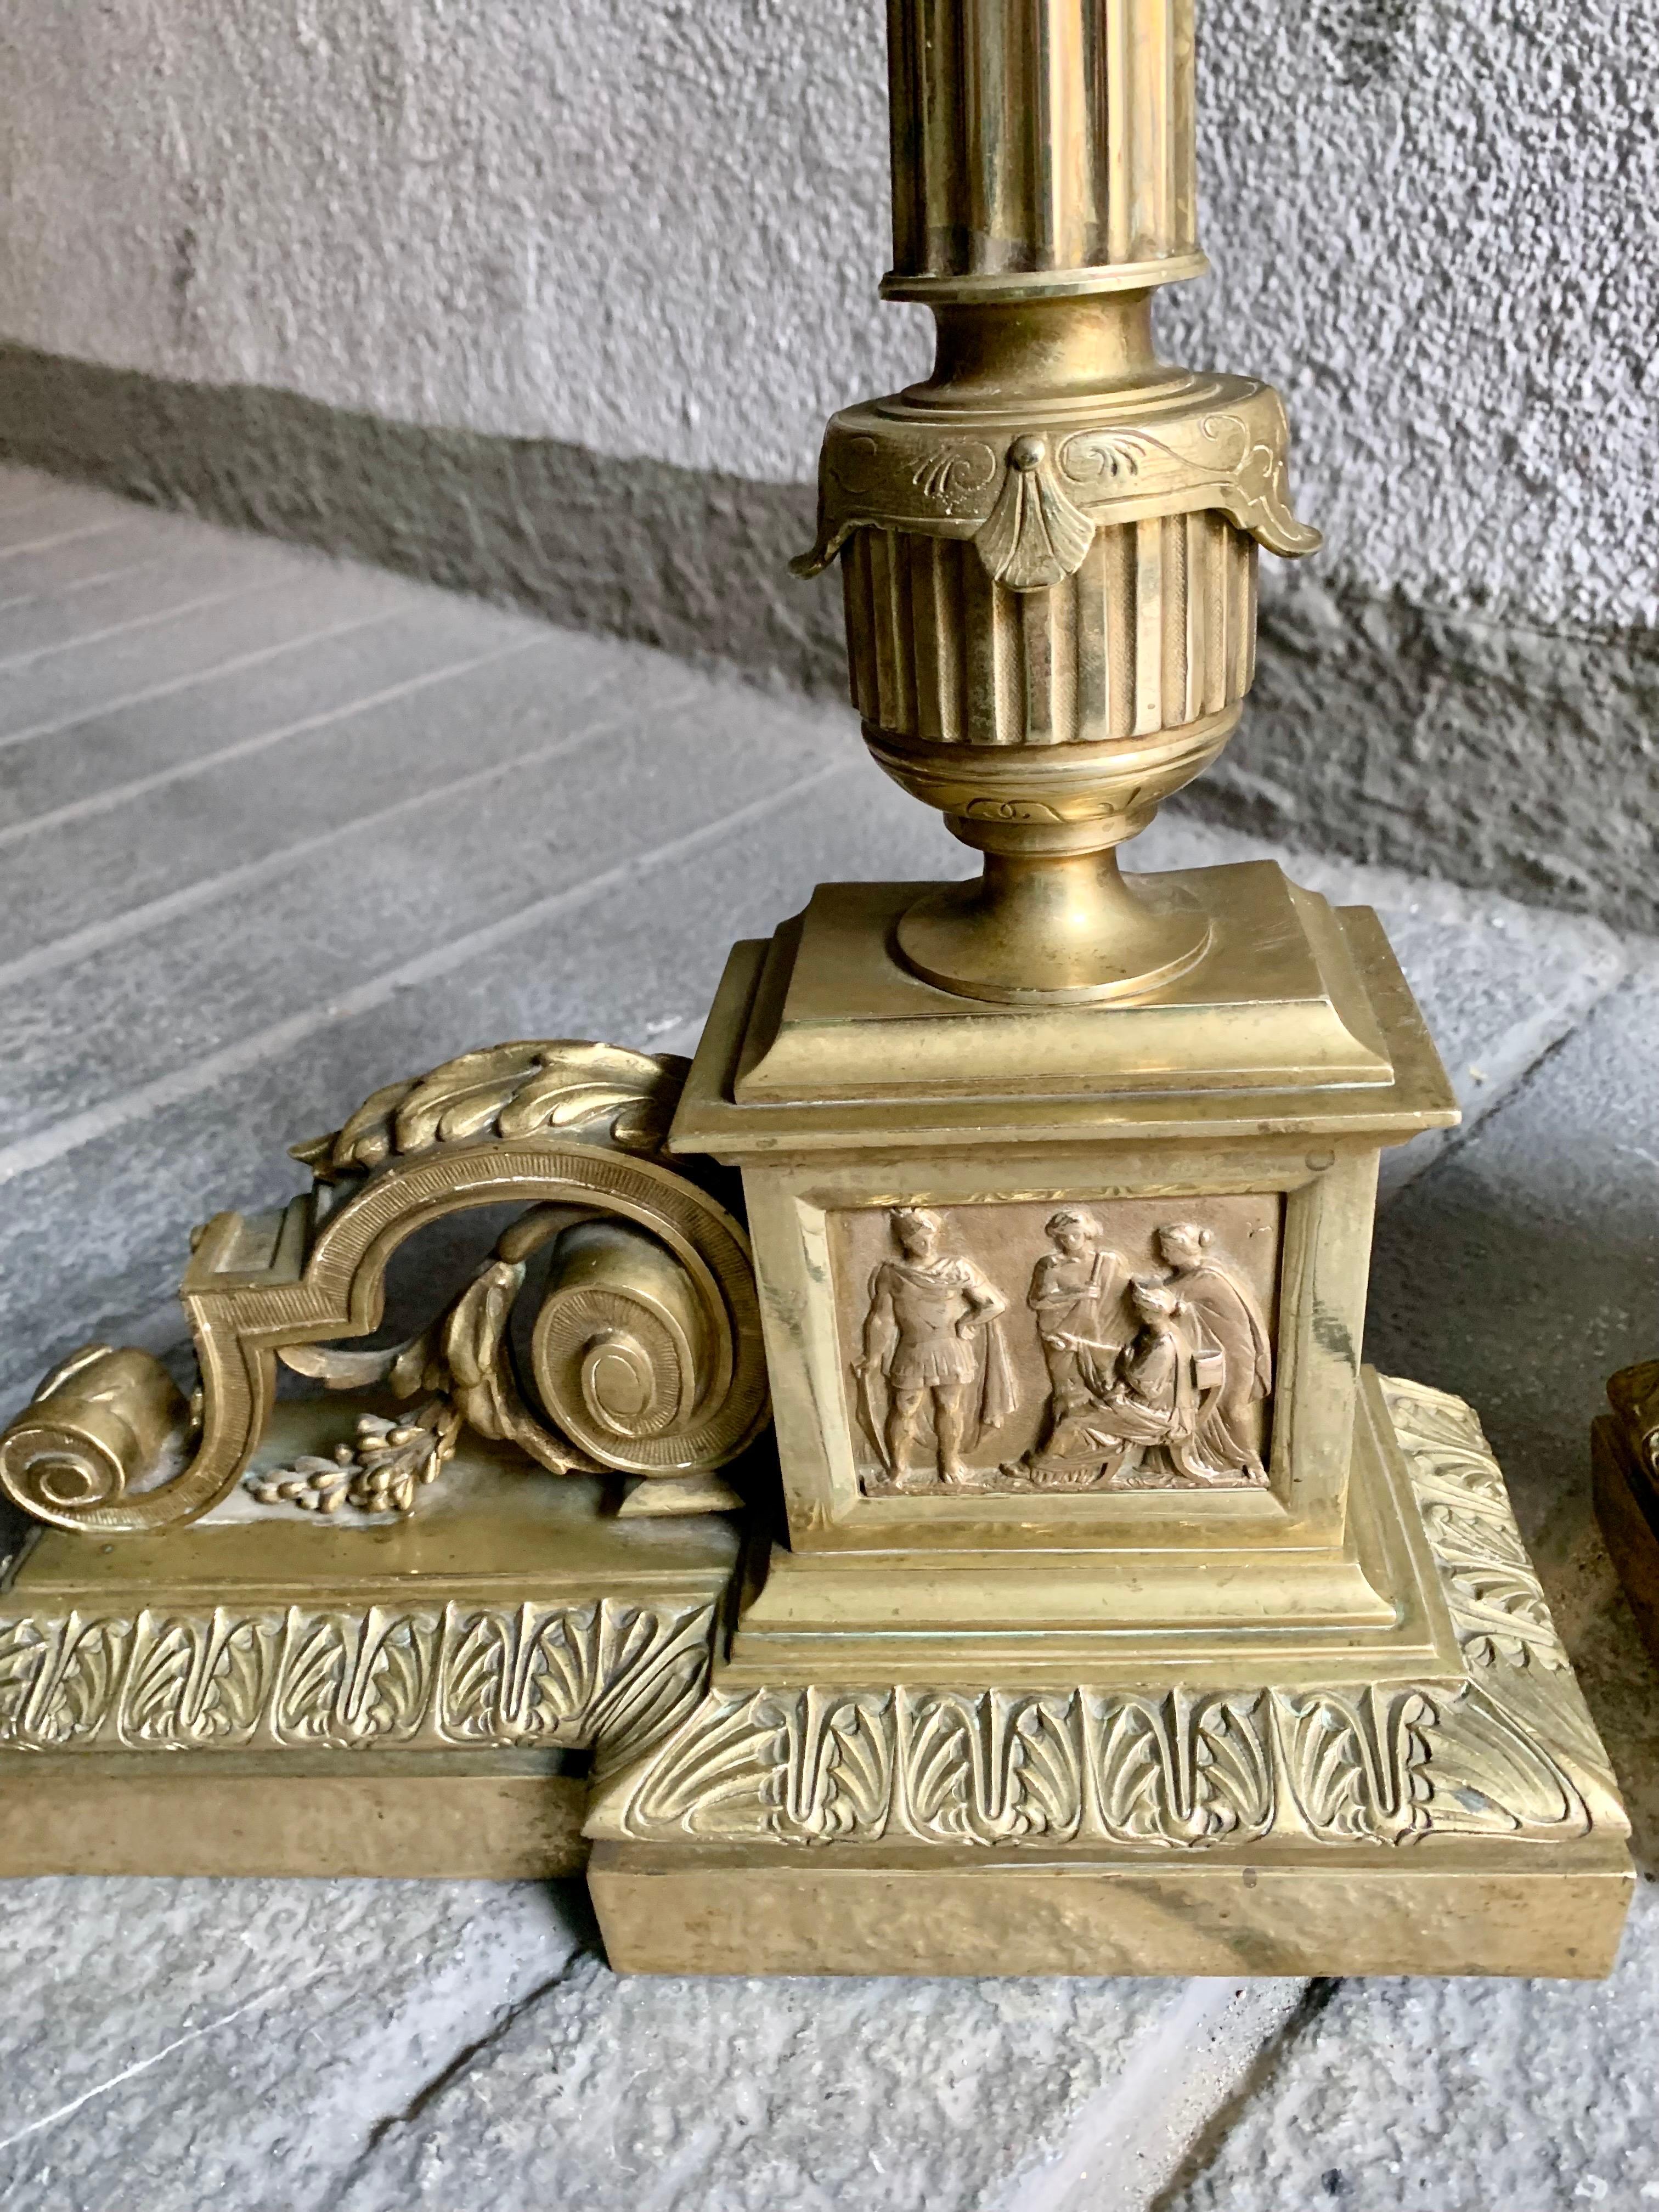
[1507, 1749]
[1190, 444]
[379, 1471]
[606, 1675]
[1035, 535]
[515, 1090]
[816, 1763]
[644, 1354]
[1012, 1347]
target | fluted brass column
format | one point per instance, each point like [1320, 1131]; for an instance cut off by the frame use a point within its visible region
[1046, 139]
[1049, 547]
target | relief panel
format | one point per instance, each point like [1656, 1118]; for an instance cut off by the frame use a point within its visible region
[1020, 1345]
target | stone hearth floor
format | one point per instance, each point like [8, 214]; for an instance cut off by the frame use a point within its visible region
[274, 831]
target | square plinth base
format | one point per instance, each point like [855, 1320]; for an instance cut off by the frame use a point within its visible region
[1292, 1805]
[1447, 1908]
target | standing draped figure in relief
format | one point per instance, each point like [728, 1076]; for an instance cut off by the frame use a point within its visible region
[1076, 1294]
[931, 1337]
[1228, 1319]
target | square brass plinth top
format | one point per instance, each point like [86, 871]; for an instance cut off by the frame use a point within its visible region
[1299, 1023]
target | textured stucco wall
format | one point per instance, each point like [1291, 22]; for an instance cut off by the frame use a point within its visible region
[621, 255]
[652, 227]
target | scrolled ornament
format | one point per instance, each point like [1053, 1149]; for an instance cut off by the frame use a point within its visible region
[645, 1349]
[102, 1421]
[622, 1349]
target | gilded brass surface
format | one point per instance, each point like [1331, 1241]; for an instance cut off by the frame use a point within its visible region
[1109, 1588]
[518, 1611]
[1297, 1810]
[1445, 1908]
[1049, 547]
[1031, 141]
[1123, 1622]
[1280, 1003]
[1144, 1360]
[813, 1165]
[411, 1818]
[1101, 1553]
[268, 1692]
[643, 1358]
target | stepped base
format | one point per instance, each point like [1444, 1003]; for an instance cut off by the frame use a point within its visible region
[422, 1699]
[1322, 1813]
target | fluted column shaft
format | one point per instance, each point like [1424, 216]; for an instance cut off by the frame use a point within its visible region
[1041, 137]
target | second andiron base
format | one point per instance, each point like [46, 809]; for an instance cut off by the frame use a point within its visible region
[1087, 1605]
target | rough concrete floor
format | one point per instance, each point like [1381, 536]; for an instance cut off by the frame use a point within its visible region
[276, 831]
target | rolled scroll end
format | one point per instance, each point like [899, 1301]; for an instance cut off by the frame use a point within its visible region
[104, 1422]
[650, 1359]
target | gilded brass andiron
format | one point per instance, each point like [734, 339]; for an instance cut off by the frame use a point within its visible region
[1098, 1611]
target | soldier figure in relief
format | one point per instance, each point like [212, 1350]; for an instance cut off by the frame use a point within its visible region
[931, 1336]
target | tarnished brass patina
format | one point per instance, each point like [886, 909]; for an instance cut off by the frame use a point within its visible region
[1625, 1469]
[1112, 1616]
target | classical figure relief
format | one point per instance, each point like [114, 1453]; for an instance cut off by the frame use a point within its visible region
[1145, 1415]
[1226, 1319]
[1148, 1362]
[931, 1348]
[1171, 1405]
[1075, 1289]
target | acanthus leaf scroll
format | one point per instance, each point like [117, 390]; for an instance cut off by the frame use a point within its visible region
[644, 1357]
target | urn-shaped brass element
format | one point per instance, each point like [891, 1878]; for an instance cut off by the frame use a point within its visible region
[1049, 547]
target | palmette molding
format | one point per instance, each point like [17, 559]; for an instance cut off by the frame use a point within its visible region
[1192, 443]
[1509, 1750]
[606, 1675]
